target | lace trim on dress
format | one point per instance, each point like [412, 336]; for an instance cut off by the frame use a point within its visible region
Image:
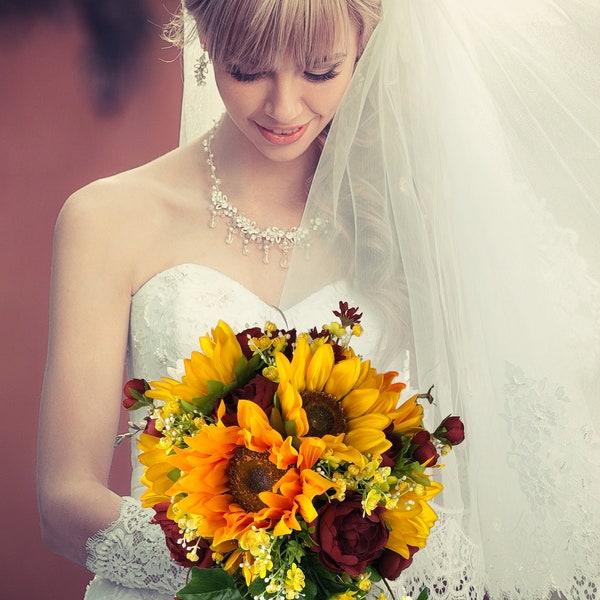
[132, 552]
[554, 451]
[450, 565]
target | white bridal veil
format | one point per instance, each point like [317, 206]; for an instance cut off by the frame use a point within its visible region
[461, 181]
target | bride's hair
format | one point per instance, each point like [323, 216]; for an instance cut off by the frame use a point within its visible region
[254, 33]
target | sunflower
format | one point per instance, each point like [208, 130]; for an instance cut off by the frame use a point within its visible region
[221, 355]
[346, 401]
[236, 477]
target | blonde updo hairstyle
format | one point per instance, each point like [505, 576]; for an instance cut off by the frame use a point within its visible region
[254, 33]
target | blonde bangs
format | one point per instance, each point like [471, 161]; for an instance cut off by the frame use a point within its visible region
[257, 33]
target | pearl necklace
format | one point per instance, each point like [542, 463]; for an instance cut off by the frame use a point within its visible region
[238, 224]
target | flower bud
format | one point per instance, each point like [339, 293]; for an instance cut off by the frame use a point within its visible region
[425, 451]
[134, 391]
[451, 431]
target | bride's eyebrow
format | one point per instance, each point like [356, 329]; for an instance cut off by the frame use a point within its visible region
[337, 58]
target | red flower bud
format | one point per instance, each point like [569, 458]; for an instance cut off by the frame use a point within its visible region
[451, 431]
[425, 451]
[390, 564]
[132, 388]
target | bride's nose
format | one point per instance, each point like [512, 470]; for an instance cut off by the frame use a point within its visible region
[283, 102]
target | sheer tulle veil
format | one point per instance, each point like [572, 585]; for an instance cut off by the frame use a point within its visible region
[461, 184]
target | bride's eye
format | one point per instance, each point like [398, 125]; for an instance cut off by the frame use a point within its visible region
[324, 71]
[331, 74]
[243, 76]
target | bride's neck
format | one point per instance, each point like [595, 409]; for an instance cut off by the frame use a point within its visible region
[246, 173]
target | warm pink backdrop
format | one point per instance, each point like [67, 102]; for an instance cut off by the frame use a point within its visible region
[51, 143]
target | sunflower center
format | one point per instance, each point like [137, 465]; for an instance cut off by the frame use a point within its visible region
[251, 473]
[324, 414]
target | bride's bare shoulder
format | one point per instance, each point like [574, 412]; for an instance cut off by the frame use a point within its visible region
[140, 197]
[118, 216]
[166, 179]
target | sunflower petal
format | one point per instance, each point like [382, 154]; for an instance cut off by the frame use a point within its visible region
[368, 441]
[343, 377]
[319, 369]
[359, 402]
[370, 421]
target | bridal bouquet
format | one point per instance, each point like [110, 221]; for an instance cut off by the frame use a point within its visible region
[280, 465]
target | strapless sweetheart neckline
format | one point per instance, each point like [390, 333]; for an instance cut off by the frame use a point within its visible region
[201, 268]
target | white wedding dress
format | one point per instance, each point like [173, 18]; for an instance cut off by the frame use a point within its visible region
[168, 315]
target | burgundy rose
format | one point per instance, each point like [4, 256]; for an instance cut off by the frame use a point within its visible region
[172, 534]
[425, 450]
[259, 389]
[451, 431]
[346, 539]
[390, 564]
[244, 337]
[132, 388]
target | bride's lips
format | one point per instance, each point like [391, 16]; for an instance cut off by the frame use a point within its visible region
[282, 136]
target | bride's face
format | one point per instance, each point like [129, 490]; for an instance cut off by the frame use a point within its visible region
[283, 110]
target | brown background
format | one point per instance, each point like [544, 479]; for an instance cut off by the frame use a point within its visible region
[53, 141]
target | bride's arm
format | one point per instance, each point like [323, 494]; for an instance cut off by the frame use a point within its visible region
[101, 254]
[90, 298]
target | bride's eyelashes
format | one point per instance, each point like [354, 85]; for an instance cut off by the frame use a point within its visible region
[313, 76]
[331, 74]
[240, 75]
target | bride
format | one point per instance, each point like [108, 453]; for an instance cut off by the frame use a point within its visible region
[434, 163]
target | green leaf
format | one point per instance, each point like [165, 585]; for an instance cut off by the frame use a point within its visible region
[187, 407]
[215, 388]
[291, 428]
[140, 397]
[245, 370]
[276, 421]
[310, 590]
[174, 474]
[327, 581]
[256, 363]
[209, 584]
[374, 575]
[423, 595]
[257, 587]
[205, 404]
